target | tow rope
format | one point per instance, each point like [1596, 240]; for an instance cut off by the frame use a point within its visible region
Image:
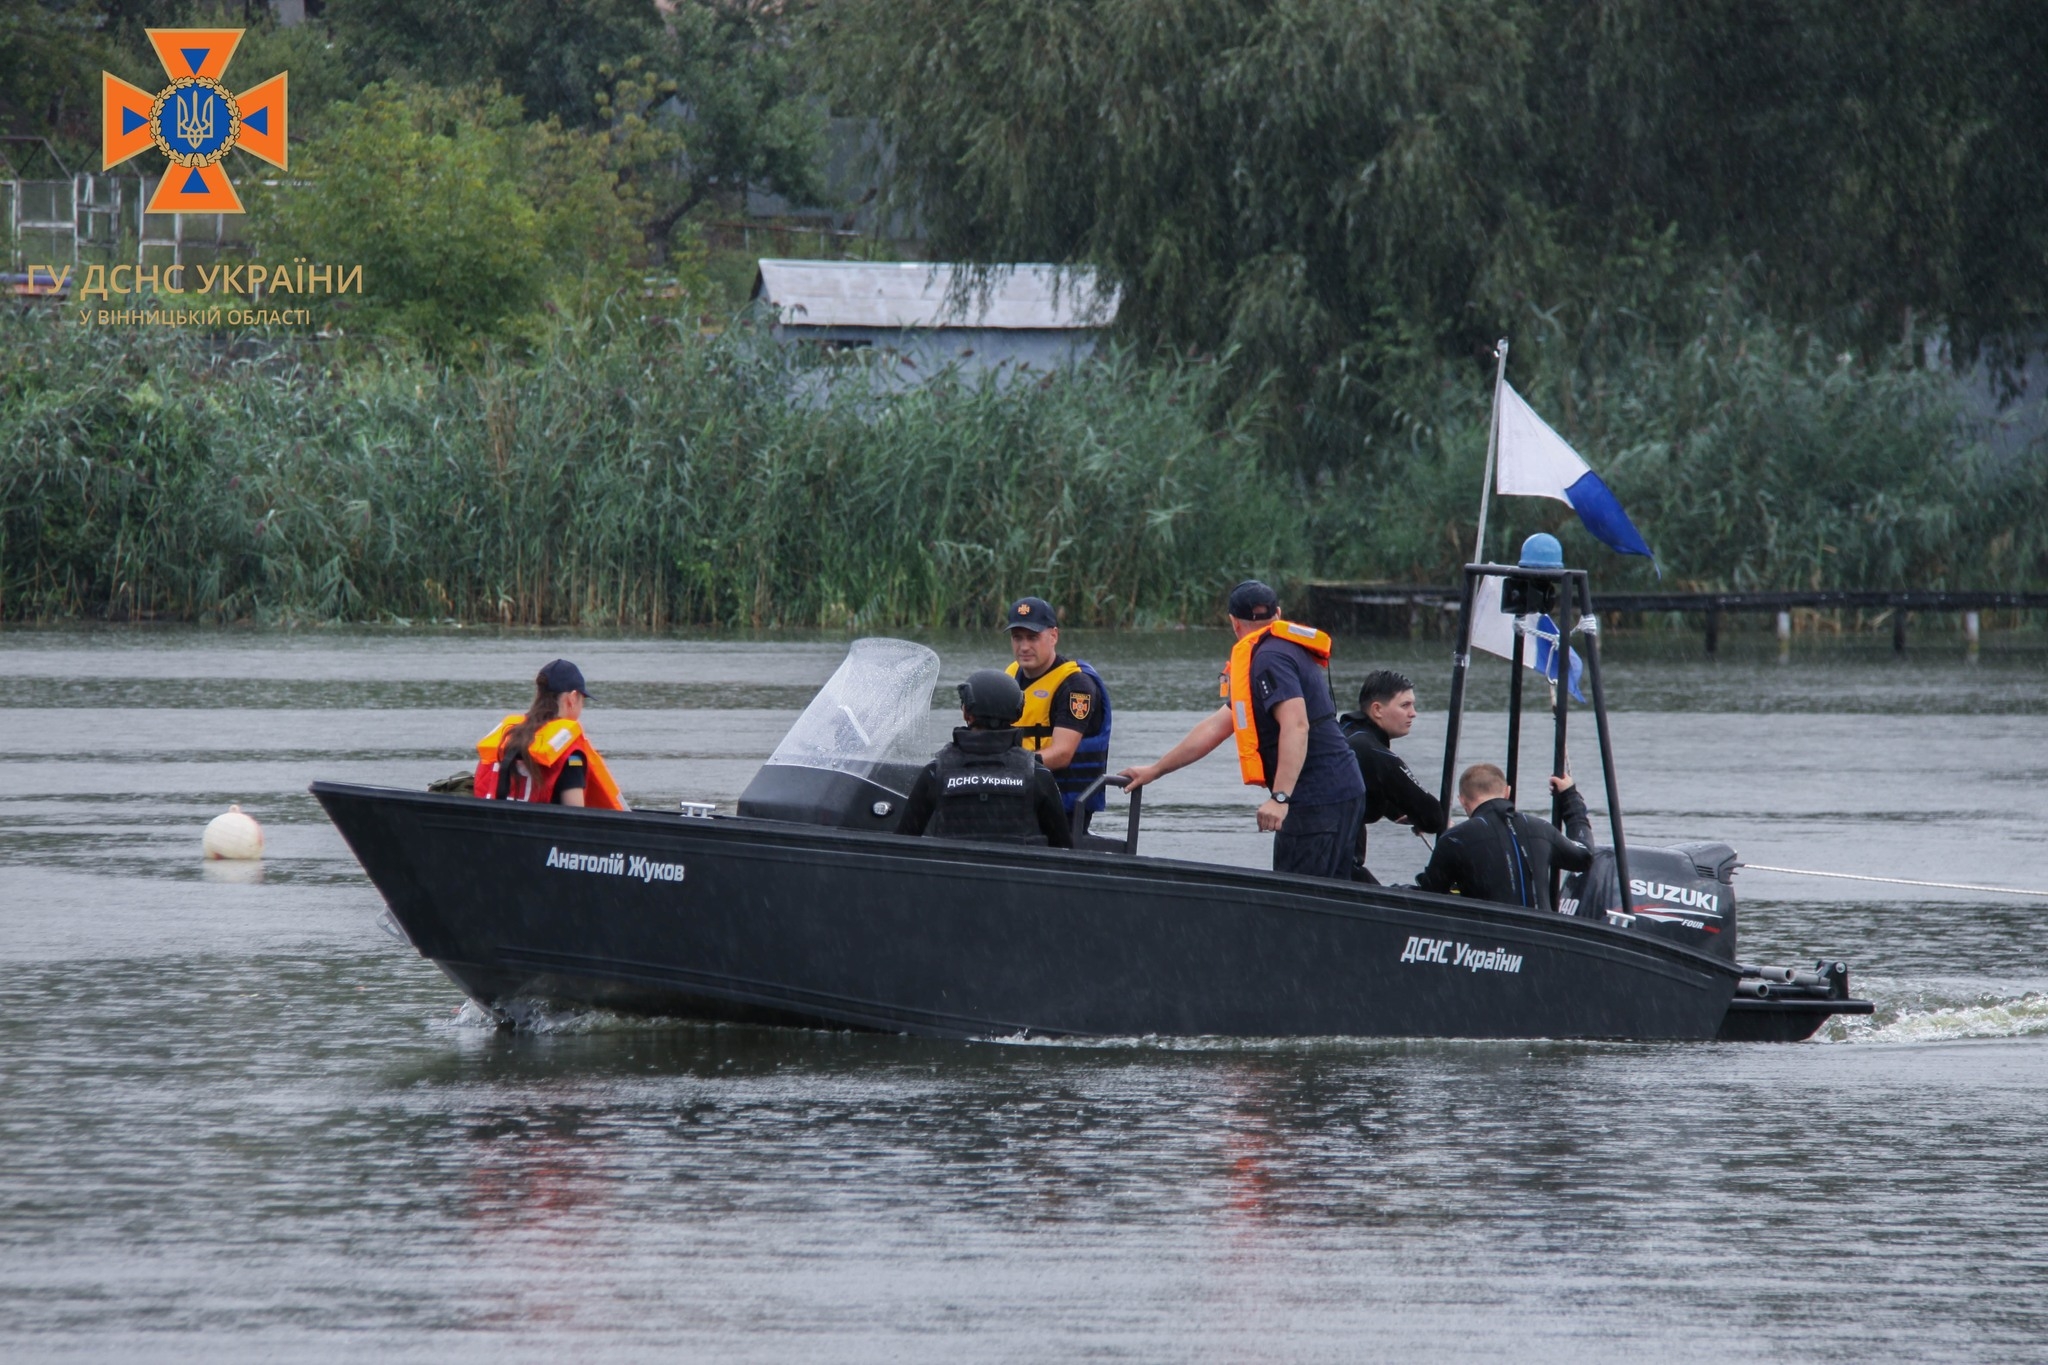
[1899, 881]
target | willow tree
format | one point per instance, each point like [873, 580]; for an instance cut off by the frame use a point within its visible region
[1346, 195]
[1312, 186]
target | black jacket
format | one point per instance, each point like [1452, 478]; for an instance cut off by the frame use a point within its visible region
[1501, 854]
[1391, 790]
[983, 786]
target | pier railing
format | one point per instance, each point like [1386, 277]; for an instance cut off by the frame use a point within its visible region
[1388, 609]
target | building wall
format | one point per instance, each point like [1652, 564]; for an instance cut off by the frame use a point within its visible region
[904, 358]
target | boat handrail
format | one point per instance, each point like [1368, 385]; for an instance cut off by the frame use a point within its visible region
[1080, 816]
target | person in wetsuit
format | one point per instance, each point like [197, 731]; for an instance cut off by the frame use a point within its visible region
[1500, 854]
[984, 785]
[1386, 712]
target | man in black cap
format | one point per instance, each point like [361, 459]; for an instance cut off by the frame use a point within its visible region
[982, 785]
[1277, 703]
[1066, 719]
[1386, 712]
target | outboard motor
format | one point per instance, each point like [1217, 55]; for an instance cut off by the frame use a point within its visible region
[1685, 893]
[853, 755]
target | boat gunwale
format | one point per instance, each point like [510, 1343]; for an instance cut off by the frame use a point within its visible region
[1302, 894]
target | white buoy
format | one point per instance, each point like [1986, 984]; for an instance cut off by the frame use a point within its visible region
[234, 836]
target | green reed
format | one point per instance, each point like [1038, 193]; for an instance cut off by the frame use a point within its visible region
[639, 475]
[1750, 455]
[633, 475]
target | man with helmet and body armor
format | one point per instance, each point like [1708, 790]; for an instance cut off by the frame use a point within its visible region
[1066, 717]
[984, 785]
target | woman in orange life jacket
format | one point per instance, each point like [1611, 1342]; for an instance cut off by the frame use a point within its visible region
[1277, 703]
[544, 756]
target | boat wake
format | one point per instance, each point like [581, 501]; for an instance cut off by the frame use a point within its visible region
[1154, 1041]
[1925, 1019]
[1927, 1022]
[1920, 1021]
[1289, 1043]
[549, 1017]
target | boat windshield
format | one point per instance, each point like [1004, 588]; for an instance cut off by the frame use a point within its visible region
[876, 709]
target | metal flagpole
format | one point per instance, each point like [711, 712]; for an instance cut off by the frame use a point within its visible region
[1461, 659]
[1500, 374]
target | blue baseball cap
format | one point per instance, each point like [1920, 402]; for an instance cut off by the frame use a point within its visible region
[1034, 614]
[1252, 600]
[563, 676]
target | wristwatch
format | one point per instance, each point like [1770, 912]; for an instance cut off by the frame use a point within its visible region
[1280, 797]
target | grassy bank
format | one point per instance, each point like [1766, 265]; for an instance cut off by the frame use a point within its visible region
[641, 476]
[627, 476]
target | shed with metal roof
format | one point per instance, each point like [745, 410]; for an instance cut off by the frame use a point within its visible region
[927, 317]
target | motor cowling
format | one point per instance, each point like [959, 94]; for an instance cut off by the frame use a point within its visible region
[873, 800]
[1685, 892]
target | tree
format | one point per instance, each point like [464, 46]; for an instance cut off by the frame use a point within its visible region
[743, 92]
[432, 193]
[550, 54]
[700, 98]
[1312, 186]
[1348, 195]
[51, 56]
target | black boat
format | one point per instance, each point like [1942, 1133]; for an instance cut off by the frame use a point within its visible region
[807, 909]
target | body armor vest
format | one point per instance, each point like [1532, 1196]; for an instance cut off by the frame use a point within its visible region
[984, 791]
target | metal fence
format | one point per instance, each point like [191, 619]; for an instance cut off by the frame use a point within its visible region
[55, 217]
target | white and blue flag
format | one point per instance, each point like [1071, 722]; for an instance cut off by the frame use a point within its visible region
[1535, 462]
[1545, 632]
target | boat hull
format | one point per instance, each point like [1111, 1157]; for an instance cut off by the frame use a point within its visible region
[762, 921]
[1782, 1021]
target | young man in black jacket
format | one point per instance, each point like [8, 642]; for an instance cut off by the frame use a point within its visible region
[1386, 712]
[1500, 854]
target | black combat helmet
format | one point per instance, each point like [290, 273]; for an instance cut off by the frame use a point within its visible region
[992, 697]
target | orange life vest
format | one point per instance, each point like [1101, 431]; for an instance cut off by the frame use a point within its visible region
[548, 755]
[1236, 689]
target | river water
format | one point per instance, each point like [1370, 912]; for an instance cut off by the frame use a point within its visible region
[240, 1122]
